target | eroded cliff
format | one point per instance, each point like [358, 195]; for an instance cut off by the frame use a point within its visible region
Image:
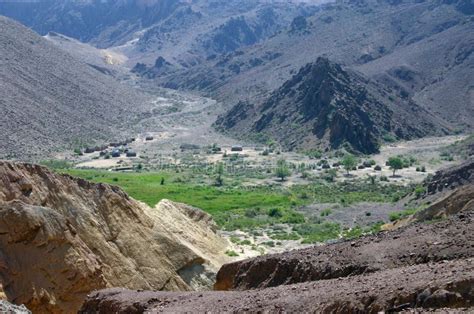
[62, 237]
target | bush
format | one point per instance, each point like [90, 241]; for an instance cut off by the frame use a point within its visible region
[56, 164]
[330, 175]
[419, 191]
[326, 212]
[394, 216]
[275, 213]
[251, 213]
[78, 151]
[389, 138]
[231, 253]
[314, 154]
[383, 179]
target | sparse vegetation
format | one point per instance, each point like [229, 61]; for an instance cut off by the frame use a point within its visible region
[56, 164]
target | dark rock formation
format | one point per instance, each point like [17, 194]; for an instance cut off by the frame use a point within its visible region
[443, 285]
[325, 105]
[451, 178]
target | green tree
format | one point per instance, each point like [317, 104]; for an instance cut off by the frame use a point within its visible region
[282, 170]
[219, 172]
[349, 162]
[395, 163]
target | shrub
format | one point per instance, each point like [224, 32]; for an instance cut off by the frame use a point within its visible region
[251, 212]
[326, 212]
[231, 253]
[389, 138]
[419, 191]
[275, 213]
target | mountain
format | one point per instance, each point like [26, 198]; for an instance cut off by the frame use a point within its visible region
[62, 237]
[50, 100]
[422, 49]
[104, 23]
[184, 32]
[326, 106]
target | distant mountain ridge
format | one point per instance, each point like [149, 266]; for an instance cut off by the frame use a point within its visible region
[430, 42]
[325, 106]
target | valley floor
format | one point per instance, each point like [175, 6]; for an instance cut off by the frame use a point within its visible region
[179, 154]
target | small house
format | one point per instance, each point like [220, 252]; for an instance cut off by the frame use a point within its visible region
[131, 153]
[116, 153]
[236, 148]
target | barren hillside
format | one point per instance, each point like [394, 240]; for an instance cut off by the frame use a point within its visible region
[50, 100]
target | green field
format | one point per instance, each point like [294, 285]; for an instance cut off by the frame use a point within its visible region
[147, 187]
[246, 208]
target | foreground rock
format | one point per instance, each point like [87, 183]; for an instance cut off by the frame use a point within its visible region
[422, 266]
[444, 284]
[61, 238]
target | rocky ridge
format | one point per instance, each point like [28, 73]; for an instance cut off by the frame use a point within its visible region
[326, 106]
[61, 238]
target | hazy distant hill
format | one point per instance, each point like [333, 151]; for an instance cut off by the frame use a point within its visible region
[49, 100]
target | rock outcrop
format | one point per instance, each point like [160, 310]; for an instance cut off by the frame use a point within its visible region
[448, 192]
[61, 238]
[445, 285]
[326, 106]
[451, 178]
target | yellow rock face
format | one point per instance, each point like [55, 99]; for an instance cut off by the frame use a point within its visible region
[61, 238]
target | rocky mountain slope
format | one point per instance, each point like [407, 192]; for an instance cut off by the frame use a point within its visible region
[50, 100]
[61, 238]
[183, 32]
[245, 50]
[327, 106]
[421, 49]
[422, 267]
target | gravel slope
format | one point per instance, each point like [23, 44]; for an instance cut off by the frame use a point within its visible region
[49, 100]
